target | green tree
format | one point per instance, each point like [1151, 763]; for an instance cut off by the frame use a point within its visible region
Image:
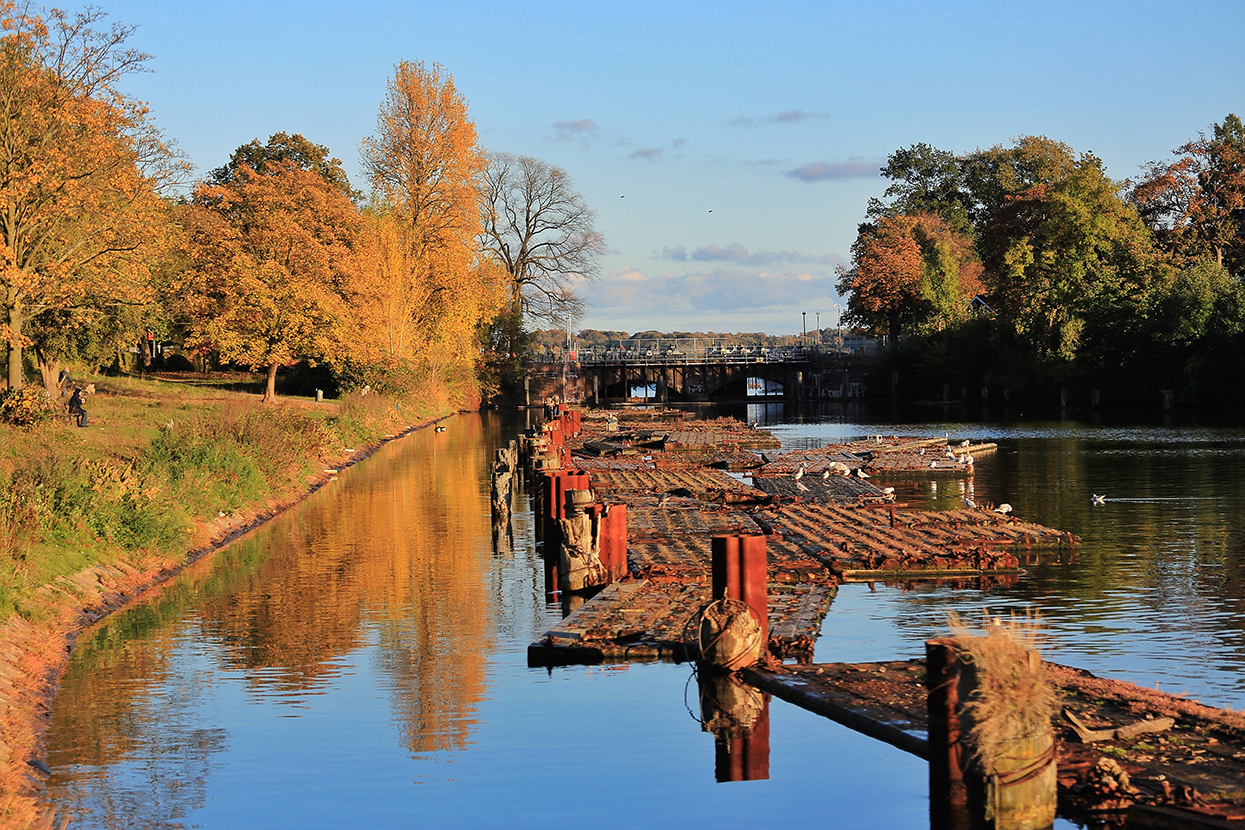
[925, 180]
[1064, 251]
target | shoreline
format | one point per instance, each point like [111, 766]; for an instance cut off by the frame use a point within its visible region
[35, 655]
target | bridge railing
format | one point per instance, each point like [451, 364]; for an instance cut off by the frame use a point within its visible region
[649, 357]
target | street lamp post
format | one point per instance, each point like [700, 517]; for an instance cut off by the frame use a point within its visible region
[804, 326]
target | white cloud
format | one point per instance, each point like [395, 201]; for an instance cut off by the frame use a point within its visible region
[821, 171]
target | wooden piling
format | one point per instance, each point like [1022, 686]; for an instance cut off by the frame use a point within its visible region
[739, 572]
[948, 798]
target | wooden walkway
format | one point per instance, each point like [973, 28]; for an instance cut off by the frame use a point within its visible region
[1191, 774]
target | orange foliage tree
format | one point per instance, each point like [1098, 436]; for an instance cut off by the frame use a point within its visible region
[272, 266]
[80, 166]
[430, 283]
[912, 269]
[1196, 205]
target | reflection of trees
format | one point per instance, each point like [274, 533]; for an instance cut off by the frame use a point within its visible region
[107, 756]
[398, 547]
[1169, 569]
[429, 603]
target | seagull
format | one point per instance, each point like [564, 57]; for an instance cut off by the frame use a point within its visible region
[888, 491]
[1003, 509]
[922, 451]
[860, 473]
[439, 429]
[964, 443]
[1097, 499]
[933, 464]
[799, 474]
[969, 503]
[825, 474]
[799, 485]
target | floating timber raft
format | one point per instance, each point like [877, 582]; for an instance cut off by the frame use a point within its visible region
[820, 531]
[1169, 762]
[1183, 763]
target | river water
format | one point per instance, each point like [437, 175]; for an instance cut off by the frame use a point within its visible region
[361, 659]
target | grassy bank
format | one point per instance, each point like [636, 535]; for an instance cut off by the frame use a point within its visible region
[91, 516]
[158, 465]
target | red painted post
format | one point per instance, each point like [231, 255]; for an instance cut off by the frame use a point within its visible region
[724, 551]
[756, 747]
[754, 582]
[617, 515]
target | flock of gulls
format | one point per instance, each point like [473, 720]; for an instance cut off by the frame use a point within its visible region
[839, 468]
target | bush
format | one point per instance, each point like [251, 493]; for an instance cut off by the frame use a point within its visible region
[24, 407]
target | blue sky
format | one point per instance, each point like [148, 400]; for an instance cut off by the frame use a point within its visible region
[745, 137]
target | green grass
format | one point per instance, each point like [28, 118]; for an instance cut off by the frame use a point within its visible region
[157, 461]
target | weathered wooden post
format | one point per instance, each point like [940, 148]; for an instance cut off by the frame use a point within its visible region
[948, 799]
[579, 555]
[992, 746]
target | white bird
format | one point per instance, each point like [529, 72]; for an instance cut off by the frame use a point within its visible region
[933, 464]
[888, 491]
[1003, 509]
[439, 429]
[964, 443]
[800, 486]
[1097, 499]
[860, 473]
[799, 474]
[825, 474]
[950, 454]
[969, 503]
[921, 451]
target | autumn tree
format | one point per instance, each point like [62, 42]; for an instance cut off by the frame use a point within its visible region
[912, 272]
[282, 149]
[425, 173]
[80, 167]
[1195, 205]
[273, 262]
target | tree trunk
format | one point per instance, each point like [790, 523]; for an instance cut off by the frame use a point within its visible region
[270, 390]
[49, 369]
[15, 344]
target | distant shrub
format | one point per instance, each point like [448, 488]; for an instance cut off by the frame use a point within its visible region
[24, 407]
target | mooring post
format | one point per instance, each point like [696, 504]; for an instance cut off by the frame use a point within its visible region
[740, 572]
[948, 797]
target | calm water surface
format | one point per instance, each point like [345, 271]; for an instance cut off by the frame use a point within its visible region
[361, 660]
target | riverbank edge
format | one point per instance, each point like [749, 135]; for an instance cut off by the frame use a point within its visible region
[35, 656]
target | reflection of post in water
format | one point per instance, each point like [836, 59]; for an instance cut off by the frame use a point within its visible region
[738, 716]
